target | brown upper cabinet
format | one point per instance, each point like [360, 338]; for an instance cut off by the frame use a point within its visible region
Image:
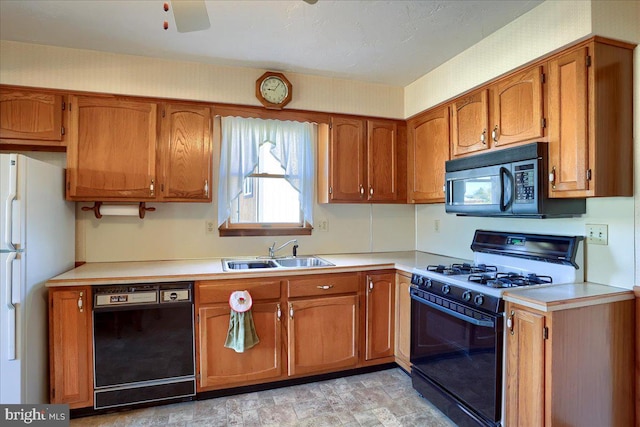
[427, 152]
[32, 117]
[591, 120]
[506, 112]
[116, 146]
[112, 149]
[517, 113]
[360, 162]
[185, 148]
[470, 123]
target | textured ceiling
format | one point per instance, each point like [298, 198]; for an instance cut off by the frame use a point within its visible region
[389, 42]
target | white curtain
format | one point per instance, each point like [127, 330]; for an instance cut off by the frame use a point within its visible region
[291, 144]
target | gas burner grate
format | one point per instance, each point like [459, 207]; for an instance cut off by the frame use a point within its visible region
[464, 268]
[509, 280]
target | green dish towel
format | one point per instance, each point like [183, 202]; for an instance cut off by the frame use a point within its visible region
[242, 332]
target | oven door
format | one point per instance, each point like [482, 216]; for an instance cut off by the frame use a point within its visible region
[479, 191]
[459, 352]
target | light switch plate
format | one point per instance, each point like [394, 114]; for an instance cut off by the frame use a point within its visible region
[597, 234]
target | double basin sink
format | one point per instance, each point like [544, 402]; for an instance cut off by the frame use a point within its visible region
[274, 263]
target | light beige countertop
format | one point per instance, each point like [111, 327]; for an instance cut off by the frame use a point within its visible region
[114, 273]
[563, 297]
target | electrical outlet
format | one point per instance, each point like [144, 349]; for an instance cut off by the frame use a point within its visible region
[436, 225]
[322, 225]
[209, 226]
[597, 234]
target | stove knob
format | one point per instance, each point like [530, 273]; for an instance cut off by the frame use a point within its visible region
[446, 289]
[428, 282]
[479, 299]
[466, 296]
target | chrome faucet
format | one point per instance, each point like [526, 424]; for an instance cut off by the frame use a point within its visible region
[272, 251]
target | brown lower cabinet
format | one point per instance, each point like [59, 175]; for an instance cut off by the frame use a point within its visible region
[70, 346]
[570, 367]
[307, 325]
[403, 321]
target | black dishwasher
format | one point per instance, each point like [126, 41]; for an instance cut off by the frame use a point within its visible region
[143, 343]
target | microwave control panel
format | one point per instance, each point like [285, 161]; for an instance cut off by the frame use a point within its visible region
[525, 177]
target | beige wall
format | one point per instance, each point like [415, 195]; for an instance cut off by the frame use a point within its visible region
[177, 231]
[549, 26]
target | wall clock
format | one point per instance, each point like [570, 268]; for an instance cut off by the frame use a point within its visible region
[273, 90]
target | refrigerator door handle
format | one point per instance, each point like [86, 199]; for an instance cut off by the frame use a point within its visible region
[8, 208]
[11, 312]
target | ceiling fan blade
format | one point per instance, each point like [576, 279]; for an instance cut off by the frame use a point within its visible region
[190, 15]
[311, 1]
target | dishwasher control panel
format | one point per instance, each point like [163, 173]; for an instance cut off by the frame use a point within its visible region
[143, 294]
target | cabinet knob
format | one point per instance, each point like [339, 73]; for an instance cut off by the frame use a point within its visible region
[361, 190]
[80, 302]
[371, 191]
[494, 134]
[483, 137]
[152, 187]
[290, 311]
[325, 287]
[278, 312]
[206, 188]
[370, 286]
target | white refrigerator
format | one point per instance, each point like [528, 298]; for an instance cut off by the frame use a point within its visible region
[37, 242]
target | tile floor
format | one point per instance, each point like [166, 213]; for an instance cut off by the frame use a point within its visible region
[383, 398]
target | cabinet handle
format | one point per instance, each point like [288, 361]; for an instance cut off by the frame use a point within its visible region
[361, 191]
[370, 286]
[81, 303]
[278, 312]
[325, 287]
[510, 322]
[552, 177]
[371, 191]
[206, 188]
[290, 311]
[152, 187]
[483, 137]
[494, 134]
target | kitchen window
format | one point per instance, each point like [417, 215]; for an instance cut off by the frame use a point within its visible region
[266, 177]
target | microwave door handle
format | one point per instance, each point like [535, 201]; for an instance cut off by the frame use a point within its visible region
[450, 191]
[504, 173]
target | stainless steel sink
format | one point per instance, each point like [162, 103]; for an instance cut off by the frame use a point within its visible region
[274, 263]
[303, 261]
[244, 264]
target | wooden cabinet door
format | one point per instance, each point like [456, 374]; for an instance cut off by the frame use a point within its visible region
[403, 321]
[112, 149]
[323, 334]
[382, 160]
[31, 115]
[380, 311]
[221, 367]
[427, 152]
[568, 131]
[185, 157]
[525, 368]
[347, 159]
[517, 108]
[70, 346]
[470, 123]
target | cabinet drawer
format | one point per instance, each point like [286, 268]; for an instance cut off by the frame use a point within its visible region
[213, 291]
[326, 284]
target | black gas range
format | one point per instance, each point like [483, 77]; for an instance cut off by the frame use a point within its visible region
[457, 315]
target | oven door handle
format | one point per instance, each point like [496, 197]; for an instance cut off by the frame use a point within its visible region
[454, 313]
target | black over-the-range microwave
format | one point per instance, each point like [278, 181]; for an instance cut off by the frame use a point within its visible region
[508, 182]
